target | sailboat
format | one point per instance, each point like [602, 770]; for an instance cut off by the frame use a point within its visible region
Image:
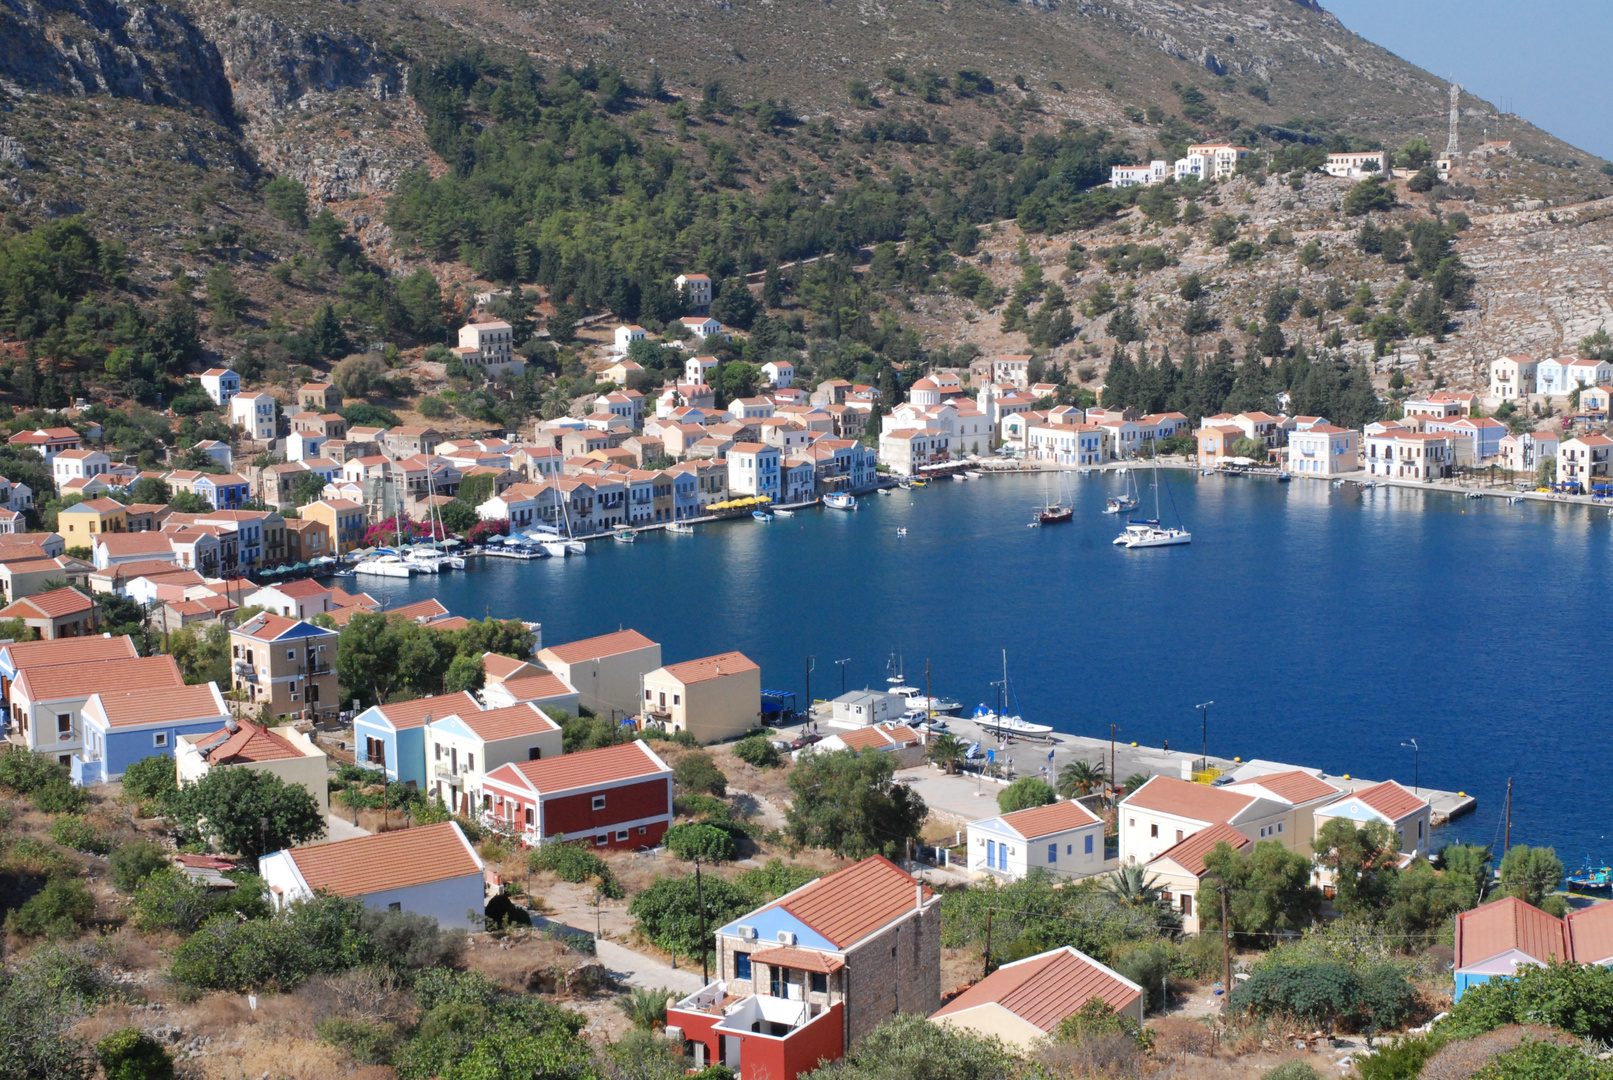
[1127, 499]
[1056, 513]
[1150, 533]
[999, 720]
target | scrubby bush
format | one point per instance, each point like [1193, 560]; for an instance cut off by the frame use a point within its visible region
[698, 840]
[40, 1000]
[697, 773]
[1025, 793]
[321, 936]
[1375, 999]
[758, 751]
[151, 778]
[1540, 1060]
[131, 1054]
[46, 784]
[576, 864]
[59, 910]
[71, 830]
[775, 879]
[1292, 1070]
[1575, 997]
[1401, 1059]
[135, 861]
[367, 1042]
[168, 899]
[668, 912]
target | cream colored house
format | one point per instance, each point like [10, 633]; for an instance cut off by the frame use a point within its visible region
[462, 748]
[713, 698]
[1525, 451]
[1303, 793]
[1024, 1002]
[606, 671]
[1179, 871]
[284, 751]
[1512, 378]
[1165, 811]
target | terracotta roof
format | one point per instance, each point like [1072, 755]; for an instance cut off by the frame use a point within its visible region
[1391, 800]
[412, 714]
[389, 860]
[500, 667]
[711, 667]
[250, 742]
[49, 605]
[1189, 853]
[138, 543]
[586, 768]
[1046, 820]
[1590, 933]
[420, 609]
[160, 704]
[508, 723]
[799, 959]
[299, 589]
[868, 738]
[1197, 802]
[1294, 787]
[540, 687]
[1043, 990]
[266, 626]
[1501, 925]
[64, 682]
[39, 654]
[846, 906]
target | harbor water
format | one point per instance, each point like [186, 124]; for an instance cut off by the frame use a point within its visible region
[1329, 625]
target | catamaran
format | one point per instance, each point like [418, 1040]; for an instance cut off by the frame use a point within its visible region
[1149, 533]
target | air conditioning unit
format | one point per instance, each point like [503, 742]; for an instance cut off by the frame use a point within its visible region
[786, 937]
[747, 932]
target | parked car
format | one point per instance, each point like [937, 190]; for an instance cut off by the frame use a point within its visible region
[805, 741]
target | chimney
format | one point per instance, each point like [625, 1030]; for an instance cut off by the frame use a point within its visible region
[918, 894]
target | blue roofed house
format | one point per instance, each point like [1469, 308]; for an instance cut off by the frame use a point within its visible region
[121, 727]
[392, 737]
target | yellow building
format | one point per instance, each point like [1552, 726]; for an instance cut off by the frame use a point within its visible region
[344, 519]
[79, 522]
[714, 698]
[285, 666]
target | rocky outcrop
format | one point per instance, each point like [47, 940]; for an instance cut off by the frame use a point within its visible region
[272, 66]
[148, 52]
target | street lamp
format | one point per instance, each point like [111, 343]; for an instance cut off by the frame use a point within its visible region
[811, 664]
[841, 664]
[1416, 765]
[1113, 730]
[1204, 729]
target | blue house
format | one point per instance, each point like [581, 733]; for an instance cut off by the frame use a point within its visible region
[120, 728]
[392, 737]
[225, 492]
[1494, 940]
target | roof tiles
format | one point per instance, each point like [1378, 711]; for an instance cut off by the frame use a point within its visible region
[390, 860]
[1043, 990]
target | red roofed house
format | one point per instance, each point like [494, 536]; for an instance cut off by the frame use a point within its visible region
[802, 979]
[606, 671]
[1024, 1002]
[1408, 815]
[717, 697]
[431, 870]
[294, 599]
[48, 441]
[285, 665]
[46, 703]
[463, 747]
[617, 796]
[901, 740]
[1180, 870]
[1495, 939]
[1165, 811]
[1064, 839]
[1302, 791]
[56, 614]
[284, 751]
[125, 723]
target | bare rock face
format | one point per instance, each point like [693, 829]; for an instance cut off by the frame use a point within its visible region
[148, 52]
[273, 67]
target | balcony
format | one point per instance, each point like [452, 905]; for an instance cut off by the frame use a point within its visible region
[444, 771]
[246, 671]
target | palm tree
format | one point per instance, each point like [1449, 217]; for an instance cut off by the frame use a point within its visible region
[645, 1008]
[1135, 781]
[1135, 887]
[1080, 777]
[946, 752]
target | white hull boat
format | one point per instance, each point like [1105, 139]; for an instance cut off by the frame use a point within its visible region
[680, 528]
[555, 548]
[1009, 725]
[385, 566]
[576, 547]
[839, 500]
[1151, 536]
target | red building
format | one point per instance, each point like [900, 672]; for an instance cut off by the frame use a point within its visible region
[617, 796]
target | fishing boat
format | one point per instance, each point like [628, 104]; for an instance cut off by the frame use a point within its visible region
[680, 528]
[624, 535]
[1149, 533]
[1127, 499]
[972, 474]
[1283, 478]
[1591, 877]
[761, 515]
[839, 500]
[918, 483]
[1000, 720]
[884, 490]
[959, 478]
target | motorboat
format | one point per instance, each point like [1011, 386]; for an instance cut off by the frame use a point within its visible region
[624, 535]
[884, 490]
[761, 515]
[959, 478]
[680, 528]
[972, 474]
[1283, 478]
[918, 483]
[781, 512]
[901, 533]
[990, 720]
[839, 500]
[385, 566]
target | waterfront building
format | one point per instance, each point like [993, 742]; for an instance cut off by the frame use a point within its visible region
[753, 469]
[1068, 444]
[859, 708]
[1410, 455]
[1512, 378]
[1215, 442]
[1064, 839]
[1022, 1003]
[1303, 792]
[1583, 461]
[1165, 811]
[1323, 450]
[902, 741]
[1409, 816]
[1483, 437]
[905, 451]
[607, 671]
[1525, 451]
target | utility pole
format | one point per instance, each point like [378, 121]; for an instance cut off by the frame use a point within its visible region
[700, 898]
[1416, 766]
[1226, 945]
[842, 665]
[987, 969]
[1113, 728]
[1204, 730]
[811, 662]
[1506, 845]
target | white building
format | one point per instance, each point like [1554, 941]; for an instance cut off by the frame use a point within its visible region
[696, 367]
[1551, 375]
[753, 469]
[703, 326]
[462, 748]
[696, 290]
[906, 450]
[1064, 838]
[1411, 455]
[221, 384]
[1323, 450]
[492, 347]
[78, 465]
[1067, 444]
[431, 870]
[1210, 161]
[1353, 166]
[305, 445]
[1584, 461]
[1155, 172]
[255, 415]
[1165, 811]
[626, 335]
[780, 373]
[1512, 378]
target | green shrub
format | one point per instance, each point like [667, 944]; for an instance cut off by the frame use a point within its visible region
[1292, 1070]
[1097, 1019]
[32, 857]
[151, 778]
[46, 784]
[576, 864]
[316, 937]
[759, 751]
[1534, 1060]
[71, 830]
[169, 899]
[691, 841]
[699, 806]
[1025, 793]
[59, 910]
[1575, 997]
[697, 773]
[1402, 1059]
[133, 862]
[408, 941]
[367, 1042]
[501, 913]
[668, 912]
[775, 879]
[131, 1054]
[1375, 999]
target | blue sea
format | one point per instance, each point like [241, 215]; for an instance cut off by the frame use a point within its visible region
[1328, 625]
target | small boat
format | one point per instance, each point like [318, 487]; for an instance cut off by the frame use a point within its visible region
[901, 534]
[761, 515]
[918, 483]
[1054, 515]
[1008, 725]
[1338, 483]
[1475, 495]
[1149, 533]
[385, 566]
[1283, 478]
[839, 500]
[624, 535]
[680, 528]
[972, 474]
[884, 491]
[781, 512]
[959, 478]
[1591, 877]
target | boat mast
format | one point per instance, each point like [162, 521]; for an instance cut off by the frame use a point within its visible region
[1507, 843]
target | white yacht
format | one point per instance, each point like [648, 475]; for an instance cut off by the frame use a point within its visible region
[1149, 533]
[991, 720]
[385, 566]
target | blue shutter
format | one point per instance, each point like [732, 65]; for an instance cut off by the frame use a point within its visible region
[1052, 853]
[991, 854]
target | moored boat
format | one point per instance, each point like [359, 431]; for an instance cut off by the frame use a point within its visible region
[761, 515]
[839, 500]
[680, 528]
[624, 535]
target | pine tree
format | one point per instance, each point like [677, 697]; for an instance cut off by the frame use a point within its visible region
[326, 335]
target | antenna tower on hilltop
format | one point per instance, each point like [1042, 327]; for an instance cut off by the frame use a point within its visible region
[1452, 148]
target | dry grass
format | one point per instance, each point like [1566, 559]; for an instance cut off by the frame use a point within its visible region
[1175, 1037]
[524, 964]
[283, 1057]
[1460, 1060]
